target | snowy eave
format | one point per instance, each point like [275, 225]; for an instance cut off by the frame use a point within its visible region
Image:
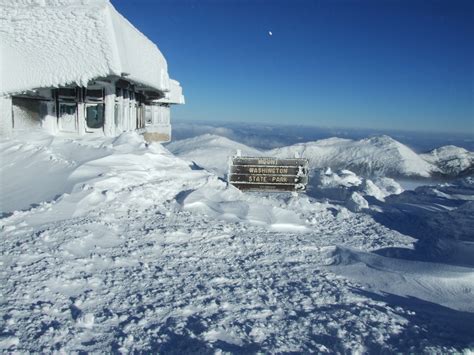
[174, 95]
[51, 43]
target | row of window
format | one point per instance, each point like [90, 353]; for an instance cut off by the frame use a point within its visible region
[67, 99]
[80, 94]
[94, 116]
[29, 111]
[67, 116]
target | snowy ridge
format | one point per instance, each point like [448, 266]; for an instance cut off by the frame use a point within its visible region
[373, 156]
[376, 156]
[451, 160]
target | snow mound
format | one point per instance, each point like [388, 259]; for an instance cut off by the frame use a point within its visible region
[351, 190]
[357, 202]
[39, 168]
[230, 204]
[451, 160]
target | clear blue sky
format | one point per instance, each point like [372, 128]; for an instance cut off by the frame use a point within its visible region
[374, 64]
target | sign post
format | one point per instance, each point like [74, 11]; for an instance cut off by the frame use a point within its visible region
[268, 174]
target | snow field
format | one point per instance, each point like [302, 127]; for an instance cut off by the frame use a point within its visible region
[143, 251]
[156, 278]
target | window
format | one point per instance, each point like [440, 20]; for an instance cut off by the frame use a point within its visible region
[67, 94]
[116, 115]
[148, 115]
[67, 117]
[94, 95]
[95, 116]
[67, 109]
[26, 113]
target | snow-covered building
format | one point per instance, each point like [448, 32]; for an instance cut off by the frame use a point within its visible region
[78, 67]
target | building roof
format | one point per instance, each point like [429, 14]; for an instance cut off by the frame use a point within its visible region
[46, 43]
[175, 95]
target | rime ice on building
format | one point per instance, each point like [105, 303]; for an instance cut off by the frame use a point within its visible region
[75, 67]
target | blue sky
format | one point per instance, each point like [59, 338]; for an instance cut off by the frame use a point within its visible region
[370, 64]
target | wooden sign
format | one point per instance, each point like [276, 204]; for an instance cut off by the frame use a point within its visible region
[268, 174]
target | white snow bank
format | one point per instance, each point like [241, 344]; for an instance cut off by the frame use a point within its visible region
[230, 204]
[87, 173]
[38, 168]
[58, 42]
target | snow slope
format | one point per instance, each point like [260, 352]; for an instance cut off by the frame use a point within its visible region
[444, 210]
[142, 251]
[210, 151]
[400, 277]
[46, 166]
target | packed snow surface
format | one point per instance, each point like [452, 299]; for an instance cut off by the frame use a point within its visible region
[116, 245]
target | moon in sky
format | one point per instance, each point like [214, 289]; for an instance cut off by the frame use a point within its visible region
[270, 33]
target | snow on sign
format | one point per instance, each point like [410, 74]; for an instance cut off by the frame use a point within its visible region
[268, 174]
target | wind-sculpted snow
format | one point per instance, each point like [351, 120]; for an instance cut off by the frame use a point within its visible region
[441, 211]
[401, 277]
[143, 251]
[347, 188]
